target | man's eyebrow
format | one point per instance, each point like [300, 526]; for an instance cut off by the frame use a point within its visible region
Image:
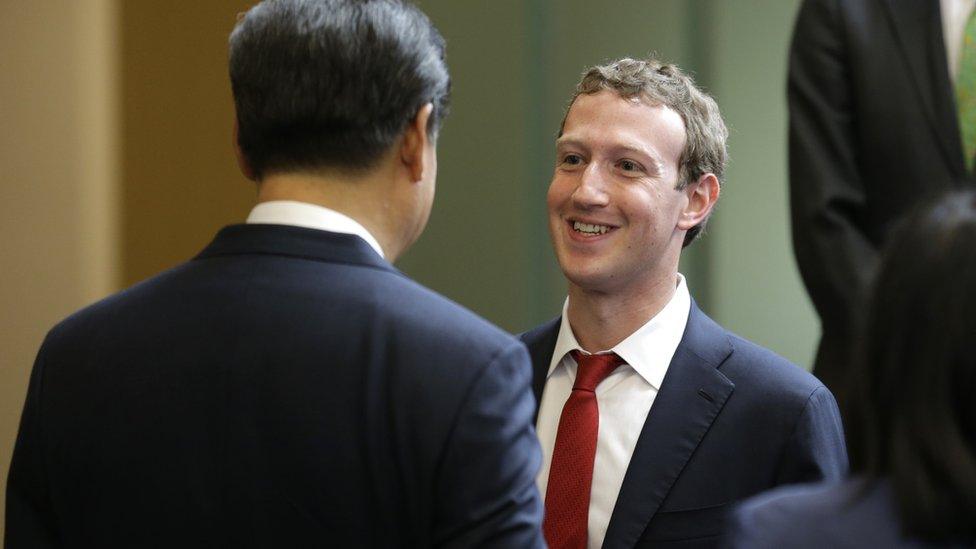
[639, 149]
[569, 142]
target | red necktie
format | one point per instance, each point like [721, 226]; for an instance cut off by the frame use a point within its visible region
[571, 470]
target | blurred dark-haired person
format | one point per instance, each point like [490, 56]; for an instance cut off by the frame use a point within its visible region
[912, 416]
[652, 417]
[288, 387]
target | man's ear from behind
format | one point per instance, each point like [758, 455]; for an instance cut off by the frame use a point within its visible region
[414, 145]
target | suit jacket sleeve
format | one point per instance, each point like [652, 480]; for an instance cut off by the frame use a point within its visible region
[30, 516]
[816, 449]
[827, 194]
[486, 491]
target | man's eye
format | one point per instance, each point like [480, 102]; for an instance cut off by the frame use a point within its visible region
[629, 166]
[572, 159]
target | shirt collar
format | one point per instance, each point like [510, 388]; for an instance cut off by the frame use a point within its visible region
[311, 216]
[649, 349]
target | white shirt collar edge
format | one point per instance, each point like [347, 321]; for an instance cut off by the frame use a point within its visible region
[310, 216]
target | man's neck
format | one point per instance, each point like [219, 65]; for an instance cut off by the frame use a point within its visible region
[358, 198]
[600, 320]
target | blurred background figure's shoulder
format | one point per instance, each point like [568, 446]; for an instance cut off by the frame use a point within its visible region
[856, 513]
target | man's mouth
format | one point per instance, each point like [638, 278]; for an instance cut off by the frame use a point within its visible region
[590, 229]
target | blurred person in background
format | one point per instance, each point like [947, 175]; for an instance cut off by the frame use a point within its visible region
[912, 426]
[288, 387]
[882, 115]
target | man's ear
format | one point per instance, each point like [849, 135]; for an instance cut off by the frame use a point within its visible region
[242, 161]
[415, 141]
[702, 196]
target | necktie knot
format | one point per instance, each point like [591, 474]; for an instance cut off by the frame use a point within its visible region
[592, 369]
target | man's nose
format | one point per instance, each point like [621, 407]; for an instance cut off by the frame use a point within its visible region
[591, 190]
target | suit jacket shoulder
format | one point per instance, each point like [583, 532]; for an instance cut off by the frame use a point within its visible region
[368, 288]
[785, 399]
[755, 368]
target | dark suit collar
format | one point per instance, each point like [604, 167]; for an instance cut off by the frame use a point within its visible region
[918, 28]
[285, 240]
[691, 397]
[541, 343]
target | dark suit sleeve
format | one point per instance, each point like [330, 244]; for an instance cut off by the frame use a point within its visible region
[486, 492]
[30, 517]
[816, 448]
[827, 197]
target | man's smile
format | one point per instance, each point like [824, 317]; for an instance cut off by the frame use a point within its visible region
[587, 229]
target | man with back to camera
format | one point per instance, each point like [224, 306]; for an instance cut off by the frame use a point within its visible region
[288, 387]
[652, 417]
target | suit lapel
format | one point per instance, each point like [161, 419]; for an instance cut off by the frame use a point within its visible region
[918, 29]
[692, 395]
[541, 342]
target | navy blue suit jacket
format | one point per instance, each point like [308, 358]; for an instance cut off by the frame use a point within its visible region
[851, 515]
[731, 419]
[286, 388]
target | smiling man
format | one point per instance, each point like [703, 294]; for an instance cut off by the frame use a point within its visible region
[652, 417]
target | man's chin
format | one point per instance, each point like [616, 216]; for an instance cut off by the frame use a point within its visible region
[590, 279]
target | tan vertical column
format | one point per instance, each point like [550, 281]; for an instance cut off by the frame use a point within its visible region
[181, 178]
[58, 179]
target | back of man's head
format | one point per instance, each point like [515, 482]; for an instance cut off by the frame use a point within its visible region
[332, 83]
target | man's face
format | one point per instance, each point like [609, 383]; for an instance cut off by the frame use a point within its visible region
[613, 206]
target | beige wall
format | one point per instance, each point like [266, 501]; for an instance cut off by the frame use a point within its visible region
[181, 181]
[57, 192]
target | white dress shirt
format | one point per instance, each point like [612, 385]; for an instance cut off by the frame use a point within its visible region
[310, 216]
[955, 15]
[624, 399]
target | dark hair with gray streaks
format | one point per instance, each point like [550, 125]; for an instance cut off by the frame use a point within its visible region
[332, 83]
